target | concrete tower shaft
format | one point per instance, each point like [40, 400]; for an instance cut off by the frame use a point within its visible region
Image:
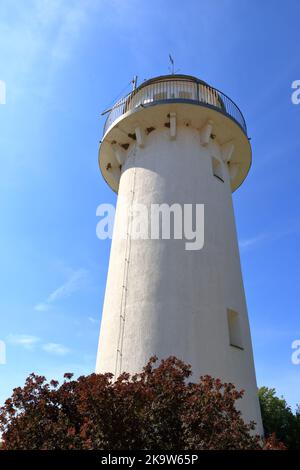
[176, 140]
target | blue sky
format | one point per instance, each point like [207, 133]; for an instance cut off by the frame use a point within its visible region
[63, 62]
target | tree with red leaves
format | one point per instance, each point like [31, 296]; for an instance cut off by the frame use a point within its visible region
[157, 409]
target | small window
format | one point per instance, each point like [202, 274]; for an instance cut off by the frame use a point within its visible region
[217, 169]
[234, 328]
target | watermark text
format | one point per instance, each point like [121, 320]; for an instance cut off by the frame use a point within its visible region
[157, 222]
[2, 92]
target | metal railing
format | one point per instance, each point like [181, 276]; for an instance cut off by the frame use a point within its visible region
[175, 90]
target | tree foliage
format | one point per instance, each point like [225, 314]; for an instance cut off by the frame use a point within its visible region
[157, 409]
[279, 419]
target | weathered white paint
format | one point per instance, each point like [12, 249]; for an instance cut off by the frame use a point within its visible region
[172, 126]
[140, 136]
[205, 132]
[227, 151]
[160, 298]
[120, 153]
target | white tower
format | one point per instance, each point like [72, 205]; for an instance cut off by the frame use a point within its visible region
[177, 140]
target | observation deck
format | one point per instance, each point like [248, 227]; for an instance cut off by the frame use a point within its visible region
[149, 107]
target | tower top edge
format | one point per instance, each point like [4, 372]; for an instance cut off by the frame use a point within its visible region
[159, 78]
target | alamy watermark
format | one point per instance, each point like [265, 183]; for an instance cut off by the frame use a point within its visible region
[296, 354]
[295, 97]
[2, 352]
[154, 222]
[2, 92]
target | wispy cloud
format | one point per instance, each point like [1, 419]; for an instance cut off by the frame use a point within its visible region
[69, 30]
[46, 30]
[26, 341]
[76, 281]
[56, 349]
[92, 319]
[250, 242]
[30, 341]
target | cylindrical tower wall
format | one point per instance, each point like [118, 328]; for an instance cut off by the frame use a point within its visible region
[162, 299]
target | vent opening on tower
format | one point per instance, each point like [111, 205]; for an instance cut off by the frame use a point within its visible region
[217, 169]
[234, 329]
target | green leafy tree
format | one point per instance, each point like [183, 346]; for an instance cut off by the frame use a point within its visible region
[279, 419]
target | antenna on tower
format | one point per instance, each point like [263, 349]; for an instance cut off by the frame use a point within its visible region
[172, 63]
[134, 82]
[172, 68]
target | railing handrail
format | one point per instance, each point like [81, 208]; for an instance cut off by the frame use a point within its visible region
[199, 91]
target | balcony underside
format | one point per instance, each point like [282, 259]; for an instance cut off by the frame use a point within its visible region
[155, 115]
